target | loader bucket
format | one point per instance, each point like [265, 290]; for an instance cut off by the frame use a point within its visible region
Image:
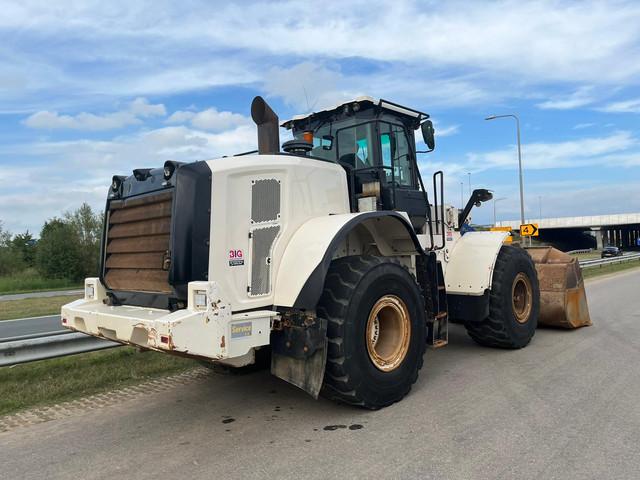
[563, 301]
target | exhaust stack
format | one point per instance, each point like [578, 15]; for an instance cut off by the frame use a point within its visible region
[268, 128]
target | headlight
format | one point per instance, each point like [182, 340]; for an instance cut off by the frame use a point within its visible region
[89, 292]
[200, 299]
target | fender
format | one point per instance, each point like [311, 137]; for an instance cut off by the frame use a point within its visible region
[308, 255]
[469, 272]
[469, 264]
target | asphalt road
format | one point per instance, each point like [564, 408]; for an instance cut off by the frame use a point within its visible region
[566, 407]
[22, 296]
[30, 326]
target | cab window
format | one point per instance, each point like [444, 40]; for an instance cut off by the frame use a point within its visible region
[355, 145]
[396, 154]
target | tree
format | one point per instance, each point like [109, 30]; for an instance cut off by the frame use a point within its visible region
[10, 260]
[25, 245]
[87, 226]
[59, 252]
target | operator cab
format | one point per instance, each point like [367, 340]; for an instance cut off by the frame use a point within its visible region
[374, 141]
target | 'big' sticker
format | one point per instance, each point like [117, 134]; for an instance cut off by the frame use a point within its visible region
[236, 258]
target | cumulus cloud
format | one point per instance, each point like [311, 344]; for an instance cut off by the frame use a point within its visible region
[210, 119]
[140, 107]
[66, 173]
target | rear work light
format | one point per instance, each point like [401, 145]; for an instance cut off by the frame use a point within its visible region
[200, 299]
[89, 292]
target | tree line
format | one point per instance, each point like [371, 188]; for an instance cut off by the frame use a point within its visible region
[68, 247]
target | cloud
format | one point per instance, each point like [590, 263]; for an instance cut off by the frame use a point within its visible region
[572, 153]
[579, 98]
[306, 86]
[66, 173]
[140, 107]
[442, 131]
[581, 126]
[626, 106]
[210, 119]
[153, 50]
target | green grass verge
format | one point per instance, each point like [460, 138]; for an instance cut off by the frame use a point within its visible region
[34, 307]
[31, 281]
[60, 379]
[606, 269]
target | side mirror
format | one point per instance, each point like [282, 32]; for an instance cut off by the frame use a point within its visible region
[327, 142]
[428, 134]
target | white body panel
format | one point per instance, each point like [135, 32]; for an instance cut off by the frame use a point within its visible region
[468, 261]
[309, 189]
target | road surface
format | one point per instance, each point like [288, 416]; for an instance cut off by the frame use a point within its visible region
[566, 407]
[22, 296]
[30, 326]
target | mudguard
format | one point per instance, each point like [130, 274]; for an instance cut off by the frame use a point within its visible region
[304, 265]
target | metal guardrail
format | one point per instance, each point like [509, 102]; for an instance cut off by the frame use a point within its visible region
[600, 262]
[41, 346]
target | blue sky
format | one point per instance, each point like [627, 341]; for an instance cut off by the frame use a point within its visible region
[92, 89]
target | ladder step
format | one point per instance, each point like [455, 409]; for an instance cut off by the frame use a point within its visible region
[441, 315]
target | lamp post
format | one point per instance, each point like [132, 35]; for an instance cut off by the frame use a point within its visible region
[461, 195]
[469, 175]
[493, 117]
[494, 209]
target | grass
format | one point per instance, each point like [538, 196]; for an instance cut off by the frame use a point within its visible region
[60, 379]
[587, 256]
[30, 281]
[606, 269]
[34, 307]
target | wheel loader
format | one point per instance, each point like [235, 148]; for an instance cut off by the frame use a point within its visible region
[325, 252]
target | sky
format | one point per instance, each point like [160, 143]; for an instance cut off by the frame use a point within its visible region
[92, 89]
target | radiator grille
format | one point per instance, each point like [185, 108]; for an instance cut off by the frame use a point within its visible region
[265, 200]
[137, 254]
[261, 244]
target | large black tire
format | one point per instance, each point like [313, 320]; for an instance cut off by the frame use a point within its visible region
[353, 287]
[512, 319]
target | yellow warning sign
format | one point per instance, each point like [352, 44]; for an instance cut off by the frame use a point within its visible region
[501, 229]
[529, 230]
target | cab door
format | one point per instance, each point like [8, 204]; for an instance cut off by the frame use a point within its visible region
[400, 189]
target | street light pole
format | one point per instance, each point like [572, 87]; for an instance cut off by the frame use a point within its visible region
[493, 117]
[461, 195]
[469, 174]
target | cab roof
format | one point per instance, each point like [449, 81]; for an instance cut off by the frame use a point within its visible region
[363, 101]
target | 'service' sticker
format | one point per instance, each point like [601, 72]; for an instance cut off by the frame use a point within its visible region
[239, 330]
[236, 258]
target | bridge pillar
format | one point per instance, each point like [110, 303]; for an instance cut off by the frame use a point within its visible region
[599, 239]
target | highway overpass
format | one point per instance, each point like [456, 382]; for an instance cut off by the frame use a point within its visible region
[621, 229]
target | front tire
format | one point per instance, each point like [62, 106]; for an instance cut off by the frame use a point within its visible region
[376, 331]
[514, 302]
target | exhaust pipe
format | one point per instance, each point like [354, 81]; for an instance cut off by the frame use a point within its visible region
[268, 128]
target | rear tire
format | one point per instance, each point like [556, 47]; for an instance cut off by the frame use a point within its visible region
[514, 302]
[376, 331]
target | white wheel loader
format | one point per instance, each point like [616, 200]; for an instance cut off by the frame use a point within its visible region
[328, 254]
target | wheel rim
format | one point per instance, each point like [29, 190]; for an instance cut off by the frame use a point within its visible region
[521, 295]
[388, 333]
